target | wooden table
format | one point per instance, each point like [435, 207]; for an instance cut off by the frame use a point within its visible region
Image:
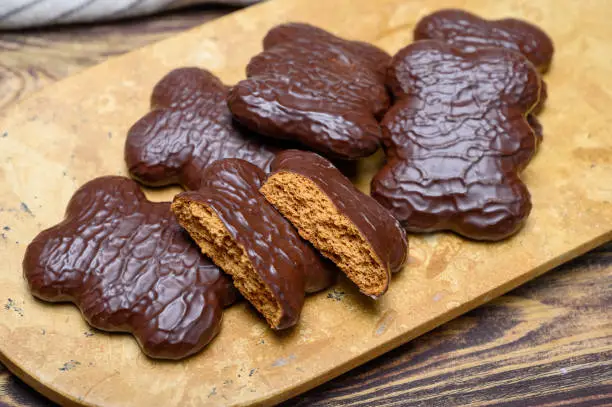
[546, 343]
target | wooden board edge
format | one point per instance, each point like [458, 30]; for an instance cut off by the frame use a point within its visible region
[50, 393]
[65, 400]
[435, 323]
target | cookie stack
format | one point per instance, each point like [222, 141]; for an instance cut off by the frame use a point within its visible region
[266, 215]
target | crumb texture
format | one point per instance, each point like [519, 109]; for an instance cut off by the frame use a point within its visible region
[246, 236]
[332, 233]
[205, 227]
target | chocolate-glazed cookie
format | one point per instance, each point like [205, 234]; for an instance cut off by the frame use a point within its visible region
[536, 126]
[188, 128]
[314, 88]
[377, 59]
[456, 140]
[346, 225]
[129, 267]
[469, 32]
[233, 224]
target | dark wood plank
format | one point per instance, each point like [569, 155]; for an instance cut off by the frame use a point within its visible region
[547, 343]
[32, 59]
[14, 393]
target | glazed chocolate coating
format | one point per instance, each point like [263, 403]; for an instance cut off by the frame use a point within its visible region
[471, 33]
[188, 128]
[377, 59]
[542, 101]
[284, 262]
[129, 267]
[456, 140]
[314, 88]
[536, 126]
[532, 119]
[376, 224]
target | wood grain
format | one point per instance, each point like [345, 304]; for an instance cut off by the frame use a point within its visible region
[15, 393]
[30, 60]
[547, 343]
[532, 344]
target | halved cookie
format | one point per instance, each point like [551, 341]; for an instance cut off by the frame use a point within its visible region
[244, 235]
[346, 225]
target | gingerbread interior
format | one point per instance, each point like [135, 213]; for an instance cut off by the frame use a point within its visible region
[209, 232]
[333, 234]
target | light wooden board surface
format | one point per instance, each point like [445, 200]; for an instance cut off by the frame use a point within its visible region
[547, 342]
[74, 131]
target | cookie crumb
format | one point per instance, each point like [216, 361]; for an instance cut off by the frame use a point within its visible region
[70, 365]
[12, 305]
[335, 294]
[24, 207]
[283, 361]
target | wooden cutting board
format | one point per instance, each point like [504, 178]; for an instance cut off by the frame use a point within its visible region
[74, 131]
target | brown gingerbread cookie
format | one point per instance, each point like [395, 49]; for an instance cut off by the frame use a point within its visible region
[314, 88]
[129, 267]
[377, 59]
[343, 223]
[471, 33]
[188, 128]
[233, 224]
[456, 140]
